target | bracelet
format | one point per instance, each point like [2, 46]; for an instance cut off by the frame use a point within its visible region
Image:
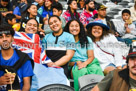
[75, 65]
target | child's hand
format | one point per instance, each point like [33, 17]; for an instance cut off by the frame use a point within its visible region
[128, 30]
[126, 25]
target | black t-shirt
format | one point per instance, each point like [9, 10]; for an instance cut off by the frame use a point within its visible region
[9, 7]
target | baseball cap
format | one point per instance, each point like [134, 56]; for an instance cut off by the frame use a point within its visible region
[23, 7]
[132, 52]
[101, 7]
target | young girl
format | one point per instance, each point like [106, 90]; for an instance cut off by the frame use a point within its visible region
[83, 61]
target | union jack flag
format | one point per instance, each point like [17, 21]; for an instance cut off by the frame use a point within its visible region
[30, 44]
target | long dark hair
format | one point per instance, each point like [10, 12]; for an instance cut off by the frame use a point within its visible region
[26, 13]
[69, 9]
[104, 33]
[82, 35]
[46, 7]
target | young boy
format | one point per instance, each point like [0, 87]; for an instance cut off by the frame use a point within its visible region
[10, 19]
[126, 28]
[57, 10]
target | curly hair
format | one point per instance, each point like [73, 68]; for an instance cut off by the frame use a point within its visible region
[82, 35]
[104, 33]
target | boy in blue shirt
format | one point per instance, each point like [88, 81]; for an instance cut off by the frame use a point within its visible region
[9, 57]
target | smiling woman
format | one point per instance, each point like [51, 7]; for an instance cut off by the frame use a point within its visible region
[110, 57]
[83, 61]
[31, 26]
[59, 54]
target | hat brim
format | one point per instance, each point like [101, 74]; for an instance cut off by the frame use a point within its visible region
[97, 24]
[132, 55]
[102, 8]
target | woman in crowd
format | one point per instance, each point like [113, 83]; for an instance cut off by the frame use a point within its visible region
[106, 47]
[83, 61]
[39, 3]
[46, 9]
[58, 43]
[32, 27]
[71, 12]
[31, 12]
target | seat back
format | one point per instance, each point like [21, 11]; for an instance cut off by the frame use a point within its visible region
[87, 87]
[56, 87]
[89, 79]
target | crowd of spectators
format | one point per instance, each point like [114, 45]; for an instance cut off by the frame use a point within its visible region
[81, 43]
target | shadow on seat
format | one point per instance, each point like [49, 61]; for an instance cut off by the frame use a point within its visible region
[56, 87]
[89, 79]
[87, 87]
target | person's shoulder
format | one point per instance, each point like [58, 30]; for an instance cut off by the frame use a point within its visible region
[95, 11]
[49, 34]
[83, 12]
[110, 35]
[89, 38]
[66, 12]
[18, 52]
[42, 7]
[67, 34]
[108, 18]
[17, 7]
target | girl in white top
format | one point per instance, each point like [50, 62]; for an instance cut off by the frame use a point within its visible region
[106, 46]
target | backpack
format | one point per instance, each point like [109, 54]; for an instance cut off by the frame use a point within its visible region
[23, 57]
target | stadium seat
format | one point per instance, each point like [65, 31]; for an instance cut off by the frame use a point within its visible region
[56, 87]
[89, 79]
[87, 87]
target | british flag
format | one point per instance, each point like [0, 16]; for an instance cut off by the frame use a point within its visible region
[30, 44]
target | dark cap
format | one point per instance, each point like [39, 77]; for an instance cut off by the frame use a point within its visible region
[22, 7]
[101, 7]
[87, 1]
[132, 52]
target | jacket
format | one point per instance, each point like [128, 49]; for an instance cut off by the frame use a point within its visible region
[120, 80]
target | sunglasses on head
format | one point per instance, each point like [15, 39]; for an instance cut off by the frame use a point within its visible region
[5, 32]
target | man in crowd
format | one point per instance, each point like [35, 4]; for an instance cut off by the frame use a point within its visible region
[103, 16]
[15, 66]
[88, 13]
[5, 7]
[121, 80]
